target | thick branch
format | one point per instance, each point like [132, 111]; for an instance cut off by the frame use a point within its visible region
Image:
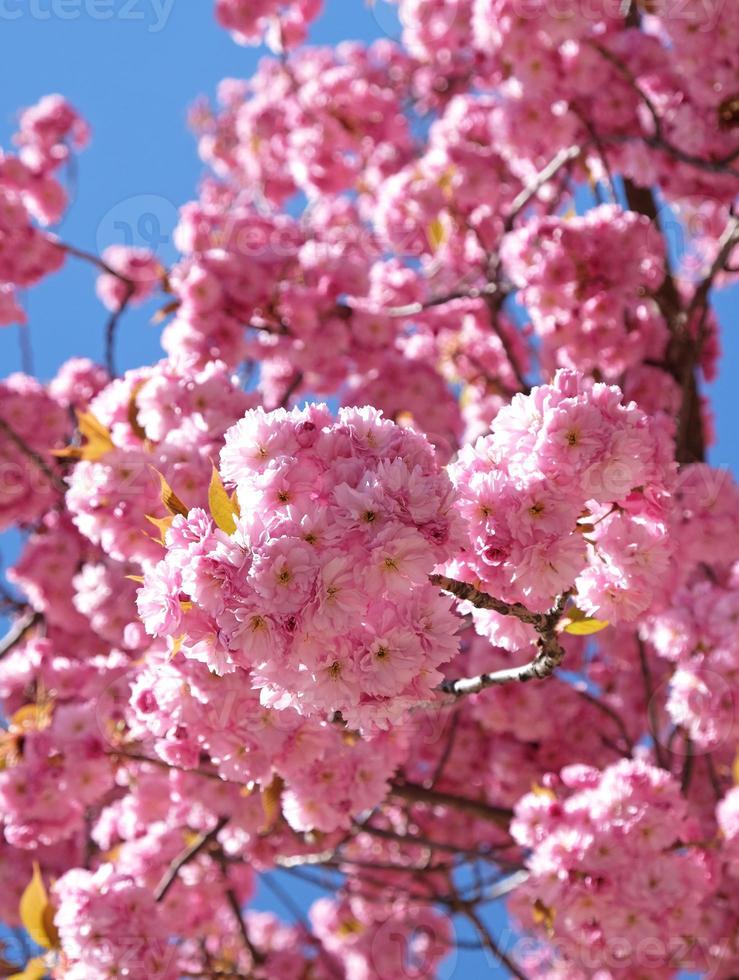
[18, 631]
[550, 654]
[481, 600]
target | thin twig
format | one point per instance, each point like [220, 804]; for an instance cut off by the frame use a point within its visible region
[26, 348]
[413, 309]
[687, 773]
[494, 304]
[729, 238]
[414, 793]
[544, 176]
[95, 260]
[38, 461]
[646, 674]
[295, 383]
[111, 326]
[257, 957]
[189, 853]
[607, 710]
[659, 141]
[491, 945]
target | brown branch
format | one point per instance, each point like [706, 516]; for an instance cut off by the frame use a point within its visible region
[729, 238]
[413, 793]
[18, 631]
[38, 461]
[615, 717]
[490, 944]
[413, 309]
[111, 326]
[155, 761]
[564, 156]
[95, 260]
[481, 600]
[659, 141]
[295, 383]
[257, 957]
[408, 840]
[550, 653]
[190, 852]
[652, 719]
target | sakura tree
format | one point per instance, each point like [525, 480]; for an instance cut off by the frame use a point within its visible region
[403, 571]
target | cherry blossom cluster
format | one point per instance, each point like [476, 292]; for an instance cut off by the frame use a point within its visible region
[283, 25]
[109, 925]
[358, 933]
[253, 639]
[586, 283]
[30, 192]
[569, 491]
[327, 776]
[29, 419]
[168, 419]
[321, 588]
[607, 868]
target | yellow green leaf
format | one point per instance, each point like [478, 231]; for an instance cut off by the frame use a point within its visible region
[163, 524]
[96, 443]
[446, 181]
[271, 797]
[139, 579]
[133, 411]
[36, 912]
[161, 315]
[436, 234]
[585, 626]
[543, 915]
[169, 498]
[32, 717]
[538, 790]
[176, 646]
[35, 969]
[221, 505]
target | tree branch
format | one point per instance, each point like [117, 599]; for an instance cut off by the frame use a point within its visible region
[414, 793]
[191, 852]
[18, 630]
[550, 654]
[38, 461]
[112, 324]
[544, 176]
[491, 945]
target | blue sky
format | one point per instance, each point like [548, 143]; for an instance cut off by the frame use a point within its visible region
[132, 67]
